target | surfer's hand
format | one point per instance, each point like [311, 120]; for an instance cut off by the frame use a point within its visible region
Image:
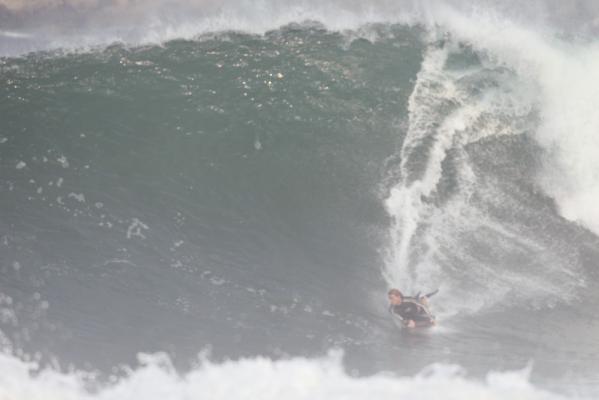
[411, 324]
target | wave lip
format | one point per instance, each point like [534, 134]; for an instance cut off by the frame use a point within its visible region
[74, 24]
[82, 24]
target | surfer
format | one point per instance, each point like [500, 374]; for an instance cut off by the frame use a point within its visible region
[413, 310]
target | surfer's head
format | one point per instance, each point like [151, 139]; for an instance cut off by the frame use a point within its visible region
[395, 296]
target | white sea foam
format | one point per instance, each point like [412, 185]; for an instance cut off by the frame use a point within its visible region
[136, 229]
[62, 160]
[16, 35]
[264, 379]
[80, 197]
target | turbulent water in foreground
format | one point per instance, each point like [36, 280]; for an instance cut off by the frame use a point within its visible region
[220, 215]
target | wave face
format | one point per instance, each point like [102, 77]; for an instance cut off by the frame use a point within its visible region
[246, 186]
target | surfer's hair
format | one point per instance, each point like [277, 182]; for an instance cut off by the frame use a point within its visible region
[395, 292]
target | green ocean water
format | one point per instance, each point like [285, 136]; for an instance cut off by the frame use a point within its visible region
[258, 157]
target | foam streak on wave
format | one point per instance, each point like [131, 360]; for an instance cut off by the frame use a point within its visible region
[405, 200]
[444, 115]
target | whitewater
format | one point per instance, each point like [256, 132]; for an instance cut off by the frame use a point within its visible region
[211, 199]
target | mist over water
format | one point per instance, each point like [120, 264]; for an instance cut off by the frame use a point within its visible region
[246, 180]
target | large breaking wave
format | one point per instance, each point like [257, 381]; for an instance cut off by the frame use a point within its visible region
[528, 44]
[217, 179]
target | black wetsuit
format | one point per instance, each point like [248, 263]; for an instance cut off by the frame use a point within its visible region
[410, 310]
